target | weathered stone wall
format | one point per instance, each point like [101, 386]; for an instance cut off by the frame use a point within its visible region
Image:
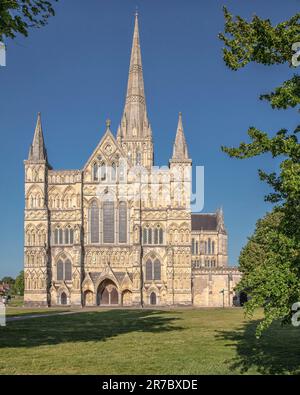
[215, 287]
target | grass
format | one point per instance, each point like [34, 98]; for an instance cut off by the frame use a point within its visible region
[18, 311]
[203, 341]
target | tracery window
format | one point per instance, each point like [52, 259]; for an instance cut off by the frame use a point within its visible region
[94, 222]
[64, 270]
[122, 222]
[108, 222]
[153, 270]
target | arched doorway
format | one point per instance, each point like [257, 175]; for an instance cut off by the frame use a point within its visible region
[127, 298]
[63, 298]
[88, 298]
[243, 298]
[153, 298]
[107, 294]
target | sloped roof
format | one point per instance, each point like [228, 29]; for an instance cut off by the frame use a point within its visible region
[204, 222]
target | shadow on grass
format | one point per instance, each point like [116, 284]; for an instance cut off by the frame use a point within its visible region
[92, 326]
[276, 352]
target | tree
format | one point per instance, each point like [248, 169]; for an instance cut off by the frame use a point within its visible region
[273, 277]
[8, 280]
[19, 284]
[17, 16]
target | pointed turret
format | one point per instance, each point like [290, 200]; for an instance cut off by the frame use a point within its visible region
[180, 150]
[135, 119]
[37, 149]
[220, 221]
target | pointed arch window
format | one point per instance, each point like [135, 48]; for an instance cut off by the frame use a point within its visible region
[60, 270]
[68, 270]
[103, 172]
[64, 270]
[149, 270]
[153, 270]
[145, 233]
[60, 236]
[67, 236]
[95, 172]
[156, 236]
[149, 236]
[113, 172]
[157, 270]
[108, 222]
[122, 222]
[94, 222]
[71, 236]
[161, 236]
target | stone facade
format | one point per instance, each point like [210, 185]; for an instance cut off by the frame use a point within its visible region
[119, 231]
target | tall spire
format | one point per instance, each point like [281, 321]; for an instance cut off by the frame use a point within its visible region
[180, 151]
[37, 149]
[135, 113]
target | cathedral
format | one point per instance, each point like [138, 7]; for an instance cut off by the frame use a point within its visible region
[120, 231]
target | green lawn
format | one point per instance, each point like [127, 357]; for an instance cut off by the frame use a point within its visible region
[18, 311]
[204, 341]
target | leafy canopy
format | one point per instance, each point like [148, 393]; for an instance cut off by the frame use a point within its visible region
[271, 259]
[17, 16]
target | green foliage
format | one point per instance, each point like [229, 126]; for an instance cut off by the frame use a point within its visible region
[270, 266]
[19, 284]
[271, 259]
[8, 280]
[260, 42]
[287, 95]
[17, 16]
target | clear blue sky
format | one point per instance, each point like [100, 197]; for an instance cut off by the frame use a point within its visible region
[75, 72]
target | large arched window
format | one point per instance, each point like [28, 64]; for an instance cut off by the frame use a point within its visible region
[153, 270]
[60, 270]
[149, 236]
[94, 222]
[157, 270]
[161, 236]
[145, 233]
[156, 236]
[122, 222]
[67, 236]
[64, 270]
[108, 222]
[68, 270]
[149, 270]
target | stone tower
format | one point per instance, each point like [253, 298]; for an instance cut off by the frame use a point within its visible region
[36, 221]
[180, 213]
[134, 132]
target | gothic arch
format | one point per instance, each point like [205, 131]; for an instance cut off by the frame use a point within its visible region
[108, 293]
